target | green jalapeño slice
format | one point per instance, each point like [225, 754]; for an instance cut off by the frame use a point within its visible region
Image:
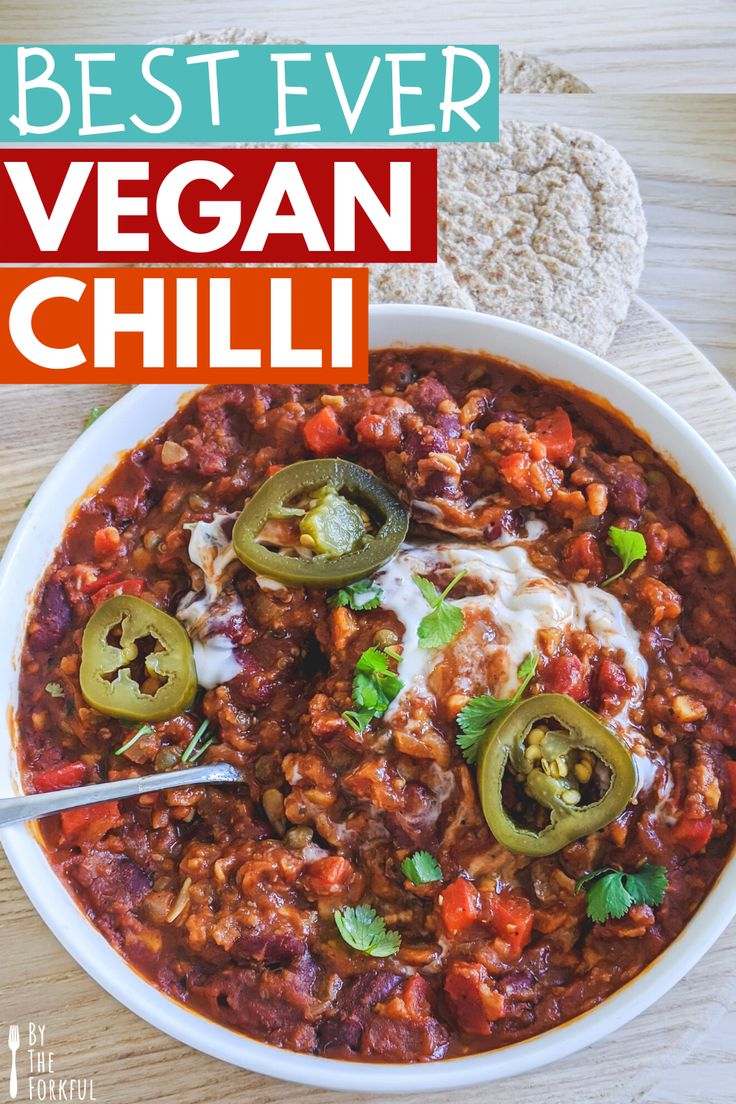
[127, 643]
[349, 524]
[566, 761]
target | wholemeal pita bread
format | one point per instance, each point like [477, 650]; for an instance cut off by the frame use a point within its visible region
[545, 227]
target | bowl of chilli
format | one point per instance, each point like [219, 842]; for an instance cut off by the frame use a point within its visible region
[469, 634]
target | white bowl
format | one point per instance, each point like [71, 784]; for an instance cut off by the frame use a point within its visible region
[134, 418]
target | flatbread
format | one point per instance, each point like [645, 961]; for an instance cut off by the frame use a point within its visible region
[545, 227]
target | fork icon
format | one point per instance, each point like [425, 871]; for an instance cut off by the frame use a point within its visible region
[13, 1044]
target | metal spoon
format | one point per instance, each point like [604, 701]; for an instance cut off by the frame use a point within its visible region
[31, 806]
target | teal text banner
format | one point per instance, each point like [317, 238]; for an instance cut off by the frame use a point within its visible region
[233, 93]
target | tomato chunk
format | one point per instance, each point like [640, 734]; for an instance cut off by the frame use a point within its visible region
[60, 778]
[474, 1002]
[112, 590]
[565, 674]
[691, 834]
[90, 823]
[511, 918]
[323, 433]
[554, 430]
[328, 875]
[460, 906]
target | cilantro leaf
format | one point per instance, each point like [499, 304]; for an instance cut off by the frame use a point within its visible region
[647, 885]
[374, 688]
[629, 545]
[482, 711]
[607, 897]
[609, 893]
[364, 930]
[444, 622]
[421, 868]
[93, 415]
[54, 689]
[365, 594]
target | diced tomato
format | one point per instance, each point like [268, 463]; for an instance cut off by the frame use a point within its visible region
[731, 776]
[101, 581]
[474, 1002]
[582, 560]
[565, 675]
[323, 433]
[417, 996]
[328, 875]
[511, 917]
[112, 590]
[106, 541]
[555, 432]
[272, 469]
[60, 778]
[515, 469]
[460, 906]
[691, 834]
[90, 823]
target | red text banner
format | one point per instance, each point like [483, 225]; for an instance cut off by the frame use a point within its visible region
[270, 206]
[164, 325]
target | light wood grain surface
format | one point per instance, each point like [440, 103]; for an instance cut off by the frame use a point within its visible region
[659, 45]
[683, 151]
[129, 1061]
[682, 1050]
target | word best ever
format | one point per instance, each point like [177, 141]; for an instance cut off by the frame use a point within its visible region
[249, 93]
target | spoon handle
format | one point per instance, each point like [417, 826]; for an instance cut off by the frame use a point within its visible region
[30, 806]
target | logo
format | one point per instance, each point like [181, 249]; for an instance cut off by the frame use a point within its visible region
[13, 1043]
[36, 1074]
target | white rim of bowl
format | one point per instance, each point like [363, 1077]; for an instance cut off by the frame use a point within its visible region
[110, 970]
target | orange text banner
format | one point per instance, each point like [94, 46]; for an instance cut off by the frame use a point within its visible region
[166, 325]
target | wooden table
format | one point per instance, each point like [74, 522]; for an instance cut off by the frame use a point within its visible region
[657, 46]
[682, 148]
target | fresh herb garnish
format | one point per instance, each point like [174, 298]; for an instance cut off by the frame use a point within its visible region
[610, 893]
[55, 689]
[629, 545]
[364, 930]
[421, 867]
[480, 712]
[444, 622]
[190, 754]
[93, 415]
[143, 731]
[363, 595]
[374, 688]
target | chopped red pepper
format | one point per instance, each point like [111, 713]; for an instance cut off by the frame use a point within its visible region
[112, 590]
[60, 778]
[102, 580]
[691, 834]
[554, 430]
[511, 918]
[90, 823]
[324, 435]
[460, 906]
